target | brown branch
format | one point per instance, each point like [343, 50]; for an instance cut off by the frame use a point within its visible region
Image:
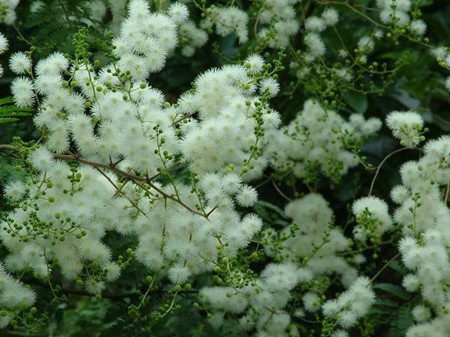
[6, 147]
[119, 190]
[269, 179]
[384, 160]
[130, 176]
[263, 183]
[159, 173]
[183, 118]
[210, 212]
[384, 267]
[280, 192]
[112, 167]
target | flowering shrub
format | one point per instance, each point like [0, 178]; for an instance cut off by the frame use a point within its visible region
[190, 168]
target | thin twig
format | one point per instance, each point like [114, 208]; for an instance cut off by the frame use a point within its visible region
[349, 6]
[263, 183]
[384, 160]
[432, 113]
[119, 191]
[384, 267]
[280, 192]
[183, 118]
[6, 147]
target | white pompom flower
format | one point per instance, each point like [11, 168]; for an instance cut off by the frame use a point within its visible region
[340, 333]
[252, 223]
[3, 43]
[311, 301]
[406, 126]
[179, 274]
[231, 182]
[378, 210]
[315, 24]
[41, 159]
[315, 44]
[421, 313]
[14, 190]
[330, 16]
[247, 196]
[15, 295]
[254, 63]
[270, 86]
[418, 27]
[94, 287]
[178, 12]
[22, 90]
[20, 63]
[411, 283]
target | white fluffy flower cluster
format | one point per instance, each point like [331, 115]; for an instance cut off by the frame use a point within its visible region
[85, 215]
[312, 214]
[191, 37]
[443, 58]
[366, 45]
[419, 195]
[8, 11]
[396, 12]
[261, 305]
[98, 10]
[20, 63]
[429, 261]
[3, 47]
[406, 126]
[227, 20]
[372, 216]
[314, 26]
[22, 89]
[115, 122]
[226, 100]
[146, 39]
[187, 243]
[424, 217]
[13, 295]
[418, 27]
[439, 327]
[281, 15]
[352, 304]
[4, 44]
[315, 142]
[431, 266]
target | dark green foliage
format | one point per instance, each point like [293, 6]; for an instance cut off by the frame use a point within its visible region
[53, 25]
[10, 112]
